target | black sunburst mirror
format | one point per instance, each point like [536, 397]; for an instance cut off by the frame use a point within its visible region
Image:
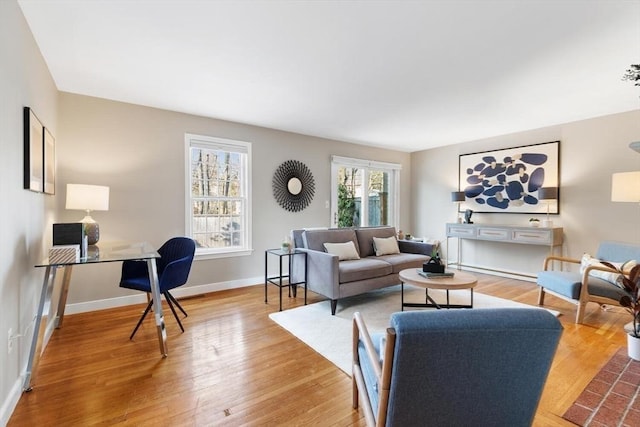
[293, 185]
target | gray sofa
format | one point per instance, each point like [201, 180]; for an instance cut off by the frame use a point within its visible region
[335, 279]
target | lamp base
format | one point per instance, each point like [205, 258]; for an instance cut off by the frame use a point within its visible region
[91, 229]
[93, 232]
[547, 223]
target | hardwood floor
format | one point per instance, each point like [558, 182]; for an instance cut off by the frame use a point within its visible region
[234, 366]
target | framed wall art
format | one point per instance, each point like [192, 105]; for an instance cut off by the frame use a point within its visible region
[33, 152]
[49, 167]
[508, 180]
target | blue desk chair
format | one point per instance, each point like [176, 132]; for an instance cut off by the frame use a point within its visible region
[480, 367]
[174, 264]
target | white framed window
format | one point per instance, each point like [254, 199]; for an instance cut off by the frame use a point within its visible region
[218, 201]
[364, 192]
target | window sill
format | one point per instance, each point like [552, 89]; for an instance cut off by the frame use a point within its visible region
[226, 254]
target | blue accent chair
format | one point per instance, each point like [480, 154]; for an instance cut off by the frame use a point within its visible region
[480, 367]
[581, 288]
[174, 265]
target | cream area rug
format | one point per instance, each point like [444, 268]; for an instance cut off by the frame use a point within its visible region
[331, 335]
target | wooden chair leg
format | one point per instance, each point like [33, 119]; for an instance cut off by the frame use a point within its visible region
[580, 312]
[354, 390]
[541, 296]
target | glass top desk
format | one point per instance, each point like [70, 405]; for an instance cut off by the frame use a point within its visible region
[103, 252]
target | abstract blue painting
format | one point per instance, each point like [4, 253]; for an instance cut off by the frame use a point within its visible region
[508, 180]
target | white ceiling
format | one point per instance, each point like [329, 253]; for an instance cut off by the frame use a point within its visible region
[407, 75]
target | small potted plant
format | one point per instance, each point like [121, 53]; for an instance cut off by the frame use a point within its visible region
[434, 265]
[631, 301]
[534, 222]
[286, 245]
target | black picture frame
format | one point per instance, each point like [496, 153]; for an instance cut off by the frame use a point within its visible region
[507, 180]
[33, 152]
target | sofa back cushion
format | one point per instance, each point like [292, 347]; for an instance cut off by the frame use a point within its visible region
[315, 239]
[365, 237]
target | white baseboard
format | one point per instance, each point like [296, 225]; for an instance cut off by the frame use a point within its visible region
[525, 277]
[10, 403]
[184, 291]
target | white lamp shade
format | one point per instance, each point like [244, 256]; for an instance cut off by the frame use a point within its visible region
[87, 197]
[625, 187]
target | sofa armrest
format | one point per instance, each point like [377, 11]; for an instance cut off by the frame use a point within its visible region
[422, 248]
[322, 272]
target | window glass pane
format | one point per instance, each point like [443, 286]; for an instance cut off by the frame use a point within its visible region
[349, 196]
[378, 195]
[364, 192]
[219, 207]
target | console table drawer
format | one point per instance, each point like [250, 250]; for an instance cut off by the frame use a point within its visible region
[540, 237]
[461, 231]
[493, 234]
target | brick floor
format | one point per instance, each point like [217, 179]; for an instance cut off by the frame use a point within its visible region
[612, 398]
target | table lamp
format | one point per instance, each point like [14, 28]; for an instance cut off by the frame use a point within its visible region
[458, 196]
[625, 187]
[88, 198]
[548, 194]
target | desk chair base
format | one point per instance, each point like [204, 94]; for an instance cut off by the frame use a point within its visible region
[170, 300]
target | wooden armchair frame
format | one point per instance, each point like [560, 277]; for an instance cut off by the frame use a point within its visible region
[382, 371]
[585, 296]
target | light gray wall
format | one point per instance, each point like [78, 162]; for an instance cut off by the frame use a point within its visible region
[590, 151]
[25, 216]
[139, 153]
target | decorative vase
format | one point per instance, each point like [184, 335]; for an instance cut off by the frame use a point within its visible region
[285, 246]
[633, 347]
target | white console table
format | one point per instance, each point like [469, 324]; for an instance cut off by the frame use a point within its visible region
[551, 237]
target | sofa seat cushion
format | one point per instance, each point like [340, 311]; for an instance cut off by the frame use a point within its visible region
[568, 284]
[363, 269]
[402, 261]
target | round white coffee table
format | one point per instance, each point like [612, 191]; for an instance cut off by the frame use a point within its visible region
[460, 280]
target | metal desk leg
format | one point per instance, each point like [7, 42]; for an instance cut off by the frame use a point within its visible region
[157, 306]
[38, 327]
[62, 303]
